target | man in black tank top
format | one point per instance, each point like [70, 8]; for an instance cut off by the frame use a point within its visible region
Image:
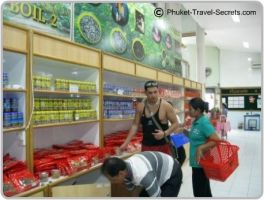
[153, 138]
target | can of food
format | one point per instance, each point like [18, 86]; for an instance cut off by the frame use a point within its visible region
[7, 119]
[43, 176]
[20, 118]
[55, 173]
[14, 119]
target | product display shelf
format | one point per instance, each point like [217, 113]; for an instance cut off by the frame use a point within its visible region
[15, 129]
[15, 84]
[68, 180]
[14, 90]
[40, 191]
[65, 74]
[65, 92]
[123, 96]
[64, 123]
[118, 120]
[192, 89]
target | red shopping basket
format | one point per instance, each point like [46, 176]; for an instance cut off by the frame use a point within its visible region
[220, 161]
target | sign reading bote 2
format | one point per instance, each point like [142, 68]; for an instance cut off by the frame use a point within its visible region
[28, 10]
[54, 18]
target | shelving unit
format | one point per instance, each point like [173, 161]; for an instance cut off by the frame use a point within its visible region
[15, 92]
[192, 89]
[68, 94]
[43, 73]
[121, 72]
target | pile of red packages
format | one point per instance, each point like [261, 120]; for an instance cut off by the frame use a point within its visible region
[16, 177]
[117, 139]
[69, 158]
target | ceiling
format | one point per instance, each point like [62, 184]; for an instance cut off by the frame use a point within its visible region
[221, 31]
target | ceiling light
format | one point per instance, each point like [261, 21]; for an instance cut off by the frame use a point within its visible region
[249, 59]
[75, 73]
[235, 18]
[246, 45]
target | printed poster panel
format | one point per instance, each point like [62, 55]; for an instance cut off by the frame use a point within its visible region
[129, 30]
[53, 18]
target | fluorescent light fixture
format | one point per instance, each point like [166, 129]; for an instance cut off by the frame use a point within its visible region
[235, 18]
[246, 45]
[75, 73]
[249, 59]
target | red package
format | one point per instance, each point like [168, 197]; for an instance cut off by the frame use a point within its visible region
[9, 164]
[23, 180]
[78, 163]
[8, 187]
[7, 157]
[58, 156]
[78, 152]
[64, 167]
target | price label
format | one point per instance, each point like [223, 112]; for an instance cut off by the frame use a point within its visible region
[74, 88]
[120, 91]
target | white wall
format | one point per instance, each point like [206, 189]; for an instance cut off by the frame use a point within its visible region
[234, 72]
[236, 117]
[234, 69]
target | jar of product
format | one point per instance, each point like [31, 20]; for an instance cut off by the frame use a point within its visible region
[44, 177]
[38, 82]
[5, 79]
[14, 119]
[20, 118]
[36, 104]
[55, 173]
[7, 105]
[14, 104]
[7, 119]
[76, 115]
[56, 84]
[48, 83]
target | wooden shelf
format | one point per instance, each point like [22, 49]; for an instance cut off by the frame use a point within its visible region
[37, 191]
[64, 92]
[117, 120]
[13, 90]
[122, 96]
[5, 130]
[64, 123]
[172, 97]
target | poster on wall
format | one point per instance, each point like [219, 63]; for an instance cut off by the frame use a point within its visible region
[53, 18]
[129, 30]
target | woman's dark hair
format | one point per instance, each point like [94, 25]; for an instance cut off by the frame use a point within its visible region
[197, 102]
[112, 166]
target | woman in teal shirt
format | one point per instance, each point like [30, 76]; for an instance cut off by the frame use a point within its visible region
[200, 132]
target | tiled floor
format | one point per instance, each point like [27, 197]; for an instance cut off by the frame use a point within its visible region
[246, 181]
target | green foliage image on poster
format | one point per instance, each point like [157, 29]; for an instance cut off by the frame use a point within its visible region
[131, 30]
[54, 18]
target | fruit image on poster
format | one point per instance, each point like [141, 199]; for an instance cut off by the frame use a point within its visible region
[118, 40]
[129, 30]
[89, 27]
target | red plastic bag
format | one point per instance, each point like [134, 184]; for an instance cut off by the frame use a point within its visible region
[23, 180]
[8, 187]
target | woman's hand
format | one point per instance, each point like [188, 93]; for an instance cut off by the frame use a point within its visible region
[199, 154]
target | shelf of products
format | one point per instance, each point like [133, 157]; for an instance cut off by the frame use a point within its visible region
[192, 90]
[77, 93]
[66, 100]
[14, 104]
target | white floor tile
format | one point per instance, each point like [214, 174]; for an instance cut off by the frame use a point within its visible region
[246, 181]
